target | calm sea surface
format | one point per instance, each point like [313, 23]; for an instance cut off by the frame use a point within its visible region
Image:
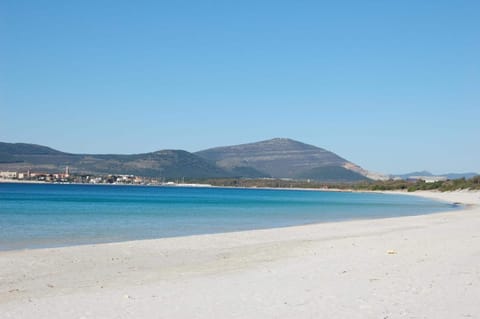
[46, 215]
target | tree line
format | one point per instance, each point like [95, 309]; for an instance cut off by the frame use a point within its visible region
[410, 186]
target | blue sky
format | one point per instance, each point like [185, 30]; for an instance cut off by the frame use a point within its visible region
[393, 86]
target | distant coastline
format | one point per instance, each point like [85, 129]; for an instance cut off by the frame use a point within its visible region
[378, 186]
[15, 181]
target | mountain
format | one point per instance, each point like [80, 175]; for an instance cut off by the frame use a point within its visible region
[166, 163]
[276, 158]
[285, 158]
[460, 175]
[27, 149]
[429, 174]
[417, 173]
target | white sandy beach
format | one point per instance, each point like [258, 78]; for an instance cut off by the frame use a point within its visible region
[407, 267]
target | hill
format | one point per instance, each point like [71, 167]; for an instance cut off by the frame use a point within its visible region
[165, 163]
[285, 158]
[450, 176]
[275, 158]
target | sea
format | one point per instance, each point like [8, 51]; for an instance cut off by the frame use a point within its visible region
[55, 215]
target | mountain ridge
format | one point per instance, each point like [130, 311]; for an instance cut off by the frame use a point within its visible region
[273, 158]
[284, 158]
[426, 173]
[162, 163]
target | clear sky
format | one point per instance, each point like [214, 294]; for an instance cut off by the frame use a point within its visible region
[393, 86]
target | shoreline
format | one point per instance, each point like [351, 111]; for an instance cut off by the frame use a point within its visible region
[470, 198]
[193, 185]
[414, 266]
[429, 194]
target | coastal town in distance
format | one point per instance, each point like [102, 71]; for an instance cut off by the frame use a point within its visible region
[408, 183]
[68, 177]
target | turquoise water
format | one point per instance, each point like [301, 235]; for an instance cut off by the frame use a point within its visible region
[49, 215]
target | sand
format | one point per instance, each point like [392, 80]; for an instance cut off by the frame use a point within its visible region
[407, 267]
